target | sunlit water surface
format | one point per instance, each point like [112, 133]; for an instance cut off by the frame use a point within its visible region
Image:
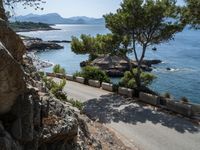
[181, 54]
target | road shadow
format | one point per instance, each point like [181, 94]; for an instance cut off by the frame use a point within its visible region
[114, 108]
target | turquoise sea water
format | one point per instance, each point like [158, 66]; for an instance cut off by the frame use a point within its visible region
[181, 54]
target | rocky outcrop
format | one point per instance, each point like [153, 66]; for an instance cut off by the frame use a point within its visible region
[11, 41]
[38, 44]
[42, 45]
[60, 41]
[11, 80]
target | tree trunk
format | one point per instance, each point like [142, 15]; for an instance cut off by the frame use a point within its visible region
[138, 76]
[2, 11]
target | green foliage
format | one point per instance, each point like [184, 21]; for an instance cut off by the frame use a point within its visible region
[56, 88]
[101, 44]
[167, 95]
[93, 73]
[76, 103]
[58, 69]
[185, 100]
[129, 79]
[41, 74]
[191, 13]
[146, 22]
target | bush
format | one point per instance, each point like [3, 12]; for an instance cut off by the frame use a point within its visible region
[93, 73]
[58, 69]
[76, 103]
[184, 100]
[167, 95]
[56, 88]
[41, 74]
[129, 80]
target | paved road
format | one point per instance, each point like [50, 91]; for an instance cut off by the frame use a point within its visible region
[135, 124]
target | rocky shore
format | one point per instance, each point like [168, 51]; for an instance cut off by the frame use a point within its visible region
[38, 63]
[37, 44]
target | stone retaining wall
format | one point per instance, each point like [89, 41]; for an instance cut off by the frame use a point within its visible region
[80, 80]
[125, 91]
[149, 98]
[184, 109]
[107, 86]
[94, 83]
[69, 77]
[181, 108]
[51, 74]
[195, 109]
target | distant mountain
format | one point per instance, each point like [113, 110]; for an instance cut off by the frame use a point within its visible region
[54, 18]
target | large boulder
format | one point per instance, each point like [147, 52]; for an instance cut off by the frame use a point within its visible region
[11, 80]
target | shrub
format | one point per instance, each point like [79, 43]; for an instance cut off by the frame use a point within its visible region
[58, 69]
[41, 74]
[93, 73]
[56, 88]
[76, 103]
[184, 100]
[129, 80]
[167, 95]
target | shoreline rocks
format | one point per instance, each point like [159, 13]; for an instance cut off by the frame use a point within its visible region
[59, 41]
[38, 44]
[42, 45]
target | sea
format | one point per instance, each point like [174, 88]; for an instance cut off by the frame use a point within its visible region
[182, 55]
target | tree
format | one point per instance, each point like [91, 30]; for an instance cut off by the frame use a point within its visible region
[31, 3]
[191, 13]
[147, 22]
[101, 44]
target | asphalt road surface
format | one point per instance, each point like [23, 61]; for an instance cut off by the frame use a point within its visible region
[137, 125]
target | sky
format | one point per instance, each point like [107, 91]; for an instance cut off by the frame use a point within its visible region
[70, 8]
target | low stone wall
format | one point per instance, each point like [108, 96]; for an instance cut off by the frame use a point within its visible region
[149, 98]
[107, 86]
[177, 107]
[61, 76]
[51, 74]
[184, 109]
[94, 83]
[55, 75]
[125, 91]
[80, 80]
[69, 77]
[195, 109]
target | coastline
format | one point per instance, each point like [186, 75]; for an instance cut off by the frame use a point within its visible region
[174, 81]
[30, 30]
[38, 63]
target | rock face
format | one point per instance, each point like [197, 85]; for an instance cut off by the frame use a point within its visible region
[29, 120]
[11, 41]
[11, 80]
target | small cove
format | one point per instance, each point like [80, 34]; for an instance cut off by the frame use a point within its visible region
[181, 54]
